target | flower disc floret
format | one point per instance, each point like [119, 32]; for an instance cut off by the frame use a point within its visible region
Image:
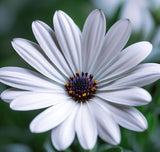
[81, 87]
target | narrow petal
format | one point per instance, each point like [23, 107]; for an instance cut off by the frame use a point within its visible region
[92, 39]
[63, 135]
[37, 100]
[128, 58]
[26, 79]
[52, 117]
[10, 94]
[131, 118]
[31, 53]
[69, 39]
[115, 39]
[86, 127]
[108, 130]
[129, 97]
[47, 41]
[142, 75]
[127, 117]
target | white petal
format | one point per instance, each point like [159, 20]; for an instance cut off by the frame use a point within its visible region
[115, 39]
[92, 39]
[69, 39]
[108, 130]
[31, 53]
[86, 127]
[52, 117]
[63, 135]
[26, 79]
[129, 97]
[37, 100]
[128, 58]
[10, 94]
[131, 118]
[47, 40]
[142, 75]
[127, 117]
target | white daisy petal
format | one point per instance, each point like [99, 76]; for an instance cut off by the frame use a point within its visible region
[127, 117]
[69, 39]
[52, 117]
[115, 39]
[92, 39]
[129, 97]
[26, 79]
[47, 40]
[37, 100]
[108, 130]
[86, 127]
[128, 58]
[31, 53]
[63, 135]
[142, 75]
[10, 94]
[130, 118]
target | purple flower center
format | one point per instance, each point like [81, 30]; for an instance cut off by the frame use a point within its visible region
[81, 87]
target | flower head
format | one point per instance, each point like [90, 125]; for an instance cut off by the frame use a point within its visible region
[86, 80]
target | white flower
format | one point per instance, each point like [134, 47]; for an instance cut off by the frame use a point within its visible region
[138, 11]
[89, 105]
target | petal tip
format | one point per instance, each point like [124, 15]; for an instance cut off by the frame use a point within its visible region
[144, 128]
[32, 128]
[99, 12]
[12, 106]
[35, 23]
[58, 12]
[117, 142]
[14, 40]
[2, 95]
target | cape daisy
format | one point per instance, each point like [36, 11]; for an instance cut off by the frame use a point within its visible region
[86, 80]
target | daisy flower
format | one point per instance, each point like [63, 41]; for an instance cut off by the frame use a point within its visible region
[86, 82]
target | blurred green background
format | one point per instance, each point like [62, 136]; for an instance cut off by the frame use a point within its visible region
[16, 17]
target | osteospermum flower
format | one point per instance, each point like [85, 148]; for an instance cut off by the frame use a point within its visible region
[86, 80]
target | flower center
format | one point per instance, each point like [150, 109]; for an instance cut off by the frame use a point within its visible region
[81, 87]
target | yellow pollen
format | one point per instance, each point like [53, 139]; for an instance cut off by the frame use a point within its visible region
[93, 88]
[95, 81]
[70, 92]
[66, 84]
[84, 94]
[70, 77]
[91, 75]
[77, 72]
